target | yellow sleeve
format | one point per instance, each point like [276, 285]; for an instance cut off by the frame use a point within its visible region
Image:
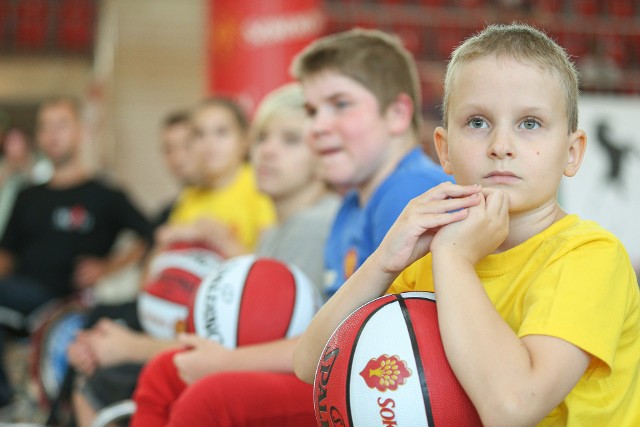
[583, 298]
[416, 277]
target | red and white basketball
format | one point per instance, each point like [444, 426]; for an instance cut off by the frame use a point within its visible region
[174, 276]
[250, 300]
[385, 365]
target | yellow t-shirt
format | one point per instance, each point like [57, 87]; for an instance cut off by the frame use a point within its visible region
[573, 281]
[245, 210]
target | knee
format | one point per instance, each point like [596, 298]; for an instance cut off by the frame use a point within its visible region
[206, 402]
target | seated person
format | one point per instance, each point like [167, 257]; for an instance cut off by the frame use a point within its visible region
[225, 210]
[174, 141]
[20, 165]
[60, 237]
[364, 128]
[538, 309]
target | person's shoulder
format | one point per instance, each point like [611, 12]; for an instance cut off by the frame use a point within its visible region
[415, 174]
[31, 191]
[417, 164]
[324, 209]
[327, 204]
[102, 181]
[574, 232]
[577, 226]
[103, 184]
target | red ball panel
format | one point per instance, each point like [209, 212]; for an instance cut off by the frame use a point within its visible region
[450, 405]
[174, 284]
[269, 293]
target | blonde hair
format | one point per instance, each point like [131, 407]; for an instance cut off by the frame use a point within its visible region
[285, 99]
[522, 43]
[375, 59]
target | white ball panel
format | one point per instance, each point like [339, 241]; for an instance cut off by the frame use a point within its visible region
[385, 333]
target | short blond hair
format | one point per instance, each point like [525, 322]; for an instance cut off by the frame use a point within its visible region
[523, 43]
[283, 100]
[375, 59]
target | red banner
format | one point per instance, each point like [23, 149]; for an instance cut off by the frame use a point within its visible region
[251, 44]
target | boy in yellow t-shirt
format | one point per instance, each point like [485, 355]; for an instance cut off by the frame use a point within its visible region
[539, 311]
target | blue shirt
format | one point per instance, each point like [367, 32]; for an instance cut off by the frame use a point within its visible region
[358, 230]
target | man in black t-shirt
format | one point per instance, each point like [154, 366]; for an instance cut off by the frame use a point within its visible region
[60, 236]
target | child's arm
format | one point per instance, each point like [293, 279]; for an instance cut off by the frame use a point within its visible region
[113, 344]
[205, 357]
[407, 240]
[511, 381]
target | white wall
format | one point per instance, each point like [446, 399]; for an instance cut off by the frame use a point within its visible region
[149, 61]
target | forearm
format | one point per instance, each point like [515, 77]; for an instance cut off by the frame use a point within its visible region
[492, 364]
[274, 356]
[146, 347]
[366, 284]
[133, 253]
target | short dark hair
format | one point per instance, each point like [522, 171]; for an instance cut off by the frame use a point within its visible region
[175, 118]
[230, 105]
[376, 59]
[71, 101]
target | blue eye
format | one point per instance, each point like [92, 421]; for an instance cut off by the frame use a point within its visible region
[341, 104]
[530, 124]
[477, 123]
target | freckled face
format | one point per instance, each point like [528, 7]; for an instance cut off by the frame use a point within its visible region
[508, 129]
[348, 133]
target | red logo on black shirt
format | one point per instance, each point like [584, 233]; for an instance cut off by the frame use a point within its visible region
[73, 218]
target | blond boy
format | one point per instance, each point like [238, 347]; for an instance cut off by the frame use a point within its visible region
[539, 310]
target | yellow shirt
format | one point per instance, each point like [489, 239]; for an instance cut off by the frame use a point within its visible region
[573, 281]
[240, 206]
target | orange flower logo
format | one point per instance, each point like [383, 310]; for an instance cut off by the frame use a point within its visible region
[350, 261]
[385, 373]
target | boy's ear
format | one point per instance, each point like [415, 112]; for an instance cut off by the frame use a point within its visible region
[442, 148]
[399, 114]
[577, 147]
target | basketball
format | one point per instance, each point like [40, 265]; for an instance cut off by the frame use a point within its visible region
[385, 365]
[173, 277]
[250, 300]
[57, 325]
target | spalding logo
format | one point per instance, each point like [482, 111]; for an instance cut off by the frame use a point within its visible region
[385, 373]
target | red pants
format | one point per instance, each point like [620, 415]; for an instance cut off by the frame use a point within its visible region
[233, 399]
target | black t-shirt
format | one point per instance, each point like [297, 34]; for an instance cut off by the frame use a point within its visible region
[49, 229]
